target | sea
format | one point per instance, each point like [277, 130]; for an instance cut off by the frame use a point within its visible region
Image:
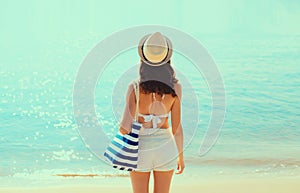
[259, 134]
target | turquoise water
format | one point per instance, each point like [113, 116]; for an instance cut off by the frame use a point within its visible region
[260, 135]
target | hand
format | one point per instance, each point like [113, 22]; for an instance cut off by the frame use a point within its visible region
[180, 165]
[123, 131]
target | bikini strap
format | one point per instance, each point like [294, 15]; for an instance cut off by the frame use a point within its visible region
[154, 97]
[154, 118]
[151, 115]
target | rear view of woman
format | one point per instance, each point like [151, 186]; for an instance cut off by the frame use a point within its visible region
[160, 145]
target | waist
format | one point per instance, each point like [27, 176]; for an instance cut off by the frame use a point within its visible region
[155, 131]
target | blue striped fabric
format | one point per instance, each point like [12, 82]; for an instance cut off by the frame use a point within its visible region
[115, 143]
[122, 152]
[127, 140]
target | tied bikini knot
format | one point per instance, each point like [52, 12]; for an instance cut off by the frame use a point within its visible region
[155, 120]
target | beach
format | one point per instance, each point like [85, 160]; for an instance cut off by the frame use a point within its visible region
[257, 149]
[49, 144]
[179, 185]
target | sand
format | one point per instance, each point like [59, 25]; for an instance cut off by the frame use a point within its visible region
[179, 185]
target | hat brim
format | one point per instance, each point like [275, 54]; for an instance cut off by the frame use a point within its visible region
[143, 58]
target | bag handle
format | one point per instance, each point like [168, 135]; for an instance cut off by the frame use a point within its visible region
[137, 92]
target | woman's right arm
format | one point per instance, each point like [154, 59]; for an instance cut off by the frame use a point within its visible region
[177, 127]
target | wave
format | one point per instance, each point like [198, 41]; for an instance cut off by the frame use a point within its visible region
[245, 162]
[92, 175]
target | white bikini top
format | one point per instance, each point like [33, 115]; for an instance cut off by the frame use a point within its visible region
[154, 118]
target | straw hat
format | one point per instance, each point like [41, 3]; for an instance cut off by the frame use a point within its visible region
[155, 49]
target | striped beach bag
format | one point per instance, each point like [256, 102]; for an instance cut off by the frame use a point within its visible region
[122, 152]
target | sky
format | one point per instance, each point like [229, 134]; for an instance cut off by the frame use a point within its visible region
[38, 21]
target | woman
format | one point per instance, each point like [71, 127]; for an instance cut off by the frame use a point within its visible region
[160, 146]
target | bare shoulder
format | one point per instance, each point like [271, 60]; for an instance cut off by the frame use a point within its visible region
[130, 92]
[178, 89]
[130, 86]
[177, 85]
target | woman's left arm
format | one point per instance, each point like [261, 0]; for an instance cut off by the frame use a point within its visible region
[129, 111]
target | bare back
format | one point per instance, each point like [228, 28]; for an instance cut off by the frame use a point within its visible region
[155, 104]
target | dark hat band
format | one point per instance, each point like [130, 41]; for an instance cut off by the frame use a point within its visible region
[142, 56]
